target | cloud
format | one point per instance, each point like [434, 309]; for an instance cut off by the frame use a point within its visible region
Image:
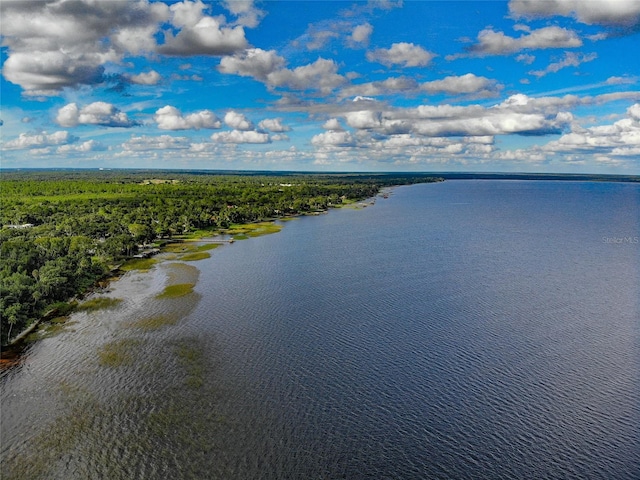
[332, 124]
[53, 45]
[403, 54]
[241, 136]
[199, 34]
[146, 78]
[333, 138]
[361, 34]
[248, 14]
[525, 58]
[467, 84]
[623, 13]
[571, 59]
[97, 113]
[253, 62]
[161, 142]
[274, 125]
[238, 121]
[621, 138]
[364, 119]
[84, 147]
[320, 75]
[518, 114]
[384, 87]
[39, 140]
[464, 84]
[317, 40]
[170, 118]
[269, 68]
[621, 80]
[491, 42]
[46, 73]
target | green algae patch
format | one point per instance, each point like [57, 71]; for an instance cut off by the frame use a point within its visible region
[192, 257]
[244, 231]
[98, 303]
[175, 291]
[208, 246]
[155, 323]
[188, 249]
[118, 353]
[141, 264]
[178, 248]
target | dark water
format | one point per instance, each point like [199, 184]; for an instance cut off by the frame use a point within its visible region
[469, 329]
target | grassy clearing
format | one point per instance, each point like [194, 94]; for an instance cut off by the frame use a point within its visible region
[118, 353]
[138, 264]
[98, 303]
[175, 291]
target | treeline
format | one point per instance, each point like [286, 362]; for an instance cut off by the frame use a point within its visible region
[64, 230]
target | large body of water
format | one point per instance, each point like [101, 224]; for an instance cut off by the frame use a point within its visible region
[461, 330]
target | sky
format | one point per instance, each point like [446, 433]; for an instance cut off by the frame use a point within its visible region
[479, 86]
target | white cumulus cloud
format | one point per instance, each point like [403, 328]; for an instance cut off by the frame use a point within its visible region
[238, 121]
[52, 45]
[246, 12]
[403, 54]
[490, 42]
[96, 113]
[603, 12]
[332, 124]
[363, 119]
[241, 136]
[170, 118]
[333, 138]
[361, 34]
[200, 34]
[274, 125]
[146, 78]
[269, 67]
[463, 84]
[161, 142]
[39, 140]
[84, 147]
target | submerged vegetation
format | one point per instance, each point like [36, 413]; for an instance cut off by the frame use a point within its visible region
[117, 353]
[98, 303]
[175, 291]
[64, 230]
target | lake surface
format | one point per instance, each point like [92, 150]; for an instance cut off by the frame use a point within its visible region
[460, 330]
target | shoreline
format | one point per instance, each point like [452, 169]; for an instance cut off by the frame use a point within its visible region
[11, 352]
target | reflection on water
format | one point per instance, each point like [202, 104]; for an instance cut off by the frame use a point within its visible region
[457, 330]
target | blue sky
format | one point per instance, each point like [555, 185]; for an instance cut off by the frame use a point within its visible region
[508, 86]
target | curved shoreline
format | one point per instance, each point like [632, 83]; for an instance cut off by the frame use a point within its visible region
[12, 351]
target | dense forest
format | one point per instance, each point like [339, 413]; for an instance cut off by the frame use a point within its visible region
[64, 230]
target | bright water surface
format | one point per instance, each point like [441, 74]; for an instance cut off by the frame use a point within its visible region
[461, 330]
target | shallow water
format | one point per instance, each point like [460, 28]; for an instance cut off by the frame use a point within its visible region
[468, 329]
